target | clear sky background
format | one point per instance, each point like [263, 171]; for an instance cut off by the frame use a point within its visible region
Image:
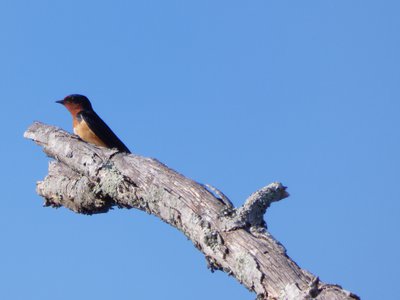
[237, 94]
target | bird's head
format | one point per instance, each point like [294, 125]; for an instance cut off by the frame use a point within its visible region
[76, 103]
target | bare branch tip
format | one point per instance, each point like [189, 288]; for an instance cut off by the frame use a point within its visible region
[251, 214]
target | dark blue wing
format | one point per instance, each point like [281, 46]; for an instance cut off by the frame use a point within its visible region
[97, 125]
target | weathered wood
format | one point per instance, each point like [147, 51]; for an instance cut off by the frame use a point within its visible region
[88, 179]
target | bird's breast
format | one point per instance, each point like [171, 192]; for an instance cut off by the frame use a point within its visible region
[82, 129]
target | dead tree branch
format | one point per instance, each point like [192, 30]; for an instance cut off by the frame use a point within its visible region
[88, 180]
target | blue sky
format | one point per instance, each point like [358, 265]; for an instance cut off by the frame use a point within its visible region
[233, 93]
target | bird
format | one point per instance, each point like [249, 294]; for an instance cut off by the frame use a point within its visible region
[88, 125]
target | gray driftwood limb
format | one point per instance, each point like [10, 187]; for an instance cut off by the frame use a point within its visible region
[88, 180]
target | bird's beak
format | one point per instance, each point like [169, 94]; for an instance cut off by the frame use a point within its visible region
[60, 101]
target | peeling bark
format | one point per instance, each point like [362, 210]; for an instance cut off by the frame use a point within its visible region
[88, 179]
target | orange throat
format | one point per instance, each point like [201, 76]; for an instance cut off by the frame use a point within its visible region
[73, 108]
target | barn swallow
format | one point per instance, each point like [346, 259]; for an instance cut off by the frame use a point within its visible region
[88, 125]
